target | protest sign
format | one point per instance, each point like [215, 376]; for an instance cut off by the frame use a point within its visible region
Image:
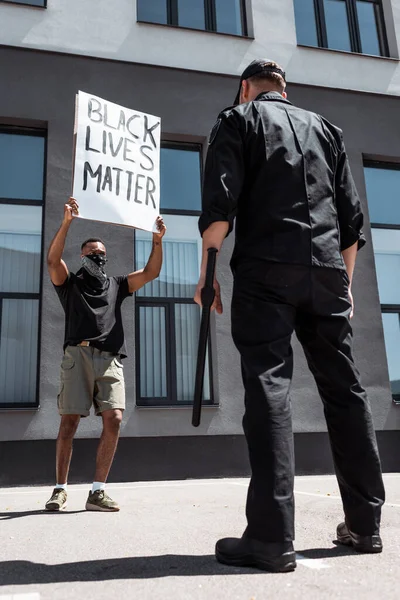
[117, 163]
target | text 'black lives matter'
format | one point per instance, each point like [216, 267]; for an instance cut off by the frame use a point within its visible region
[121, 137]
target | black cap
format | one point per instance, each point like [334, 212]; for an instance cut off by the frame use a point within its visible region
[261, 65]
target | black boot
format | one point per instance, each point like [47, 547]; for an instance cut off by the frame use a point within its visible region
[278, 557]
[368, 544]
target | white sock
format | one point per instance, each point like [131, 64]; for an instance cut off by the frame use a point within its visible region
[61, 486]
[98, 485]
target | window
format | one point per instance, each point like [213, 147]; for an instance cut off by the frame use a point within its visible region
[22, 159]
[222, 16]
[41, 3]
[383, 184]
[167, 319]
[349, 25]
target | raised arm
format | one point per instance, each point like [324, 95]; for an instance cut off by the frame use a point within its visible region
[152, 269]
[58, 270]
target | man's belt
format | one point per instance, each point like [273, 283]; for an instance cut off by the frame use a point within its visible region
[85, 343]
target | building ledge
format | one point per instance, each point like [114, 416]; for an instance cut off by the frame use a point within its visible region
[236, 36]
[345, 53]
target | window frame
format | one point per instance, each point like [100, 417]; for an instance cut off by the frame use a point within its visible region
[354, 29]
[168, 303]
[385, 308]
[210, 18]
[392, 309]
[25, 3]
[33, 132]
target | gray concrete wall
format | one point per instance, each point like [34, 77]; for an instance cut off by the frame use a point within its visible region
[109, 29]
[40, 86]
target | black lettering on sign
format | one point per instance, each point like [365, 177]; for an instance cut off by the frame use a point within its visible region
[149, 132]
[87, 169]
[150, 189]
[114, 152]
[137, 188]
[119, 171]
[104, 141]
[150, 166]
[87, 141]
[107, 180]
[94, 108]
[128, 126]
[134, 141]
[128, 150]
[106, 123]
[129, 190]
[121, 122]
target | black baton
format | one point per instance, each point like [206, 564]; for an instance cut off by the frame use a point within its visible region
[207, 299]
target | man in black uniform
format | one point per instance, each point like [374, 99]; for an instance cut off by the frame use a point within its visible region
[283, 173]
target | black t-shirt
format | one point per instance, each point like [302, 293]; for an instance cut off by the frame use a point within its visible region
[94, 314]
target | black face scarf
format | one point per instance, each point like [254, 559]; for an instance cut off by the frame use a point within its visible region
[93, 271]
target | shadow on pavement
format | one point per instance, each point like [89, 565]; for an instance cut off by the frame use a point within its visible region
[336, 552]
[21, 572]
[4, 516]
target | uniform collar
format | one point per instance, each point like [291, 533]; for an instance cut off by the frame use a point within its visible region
[274, 96]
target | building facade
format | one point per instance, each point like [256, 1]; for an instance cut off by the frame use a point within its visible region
[180, 60]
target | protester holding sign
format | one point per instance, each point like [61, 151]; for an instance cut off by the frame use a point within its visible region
[91, 369]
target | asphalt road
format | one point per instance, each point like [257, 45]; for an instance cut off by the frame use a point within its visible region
[161, 545]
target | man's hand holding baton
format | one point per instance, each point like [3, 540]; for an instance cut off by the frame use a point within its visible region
[208, 295]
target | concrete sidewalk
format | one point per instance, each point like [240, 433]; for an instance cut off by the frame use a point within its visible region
[161, 545]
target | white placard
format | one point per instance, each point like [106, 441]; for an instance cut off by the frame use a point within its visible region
[117, 163]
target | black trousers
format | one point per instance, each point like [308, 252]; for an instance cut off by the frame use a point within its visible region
[270, 301]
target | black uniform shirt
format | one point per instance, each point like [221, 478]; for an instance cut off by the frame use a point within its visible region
[284, 173]
[94, 315]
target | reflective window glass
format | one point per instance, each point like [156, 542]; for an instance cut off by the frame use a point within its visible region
[180, 179]
[153, 11]
[191, 14]
[153, 353]
[306, 26]
[386, 244]
[20, 248]
[391, 330]
[182, 254]
[41, 3]
[383, 195]
[21, 166]
[337, 25]
[18, 350]
[169, 321]
[366, 12]
[187, 329]
[229, 16]
[384, 208]
[22, 158]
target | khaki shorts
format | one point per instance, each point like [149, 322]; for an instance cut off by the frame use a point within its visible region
[90, 376]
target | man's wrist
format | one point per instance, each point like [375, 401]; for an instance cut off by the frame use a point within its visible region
[66, 223]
